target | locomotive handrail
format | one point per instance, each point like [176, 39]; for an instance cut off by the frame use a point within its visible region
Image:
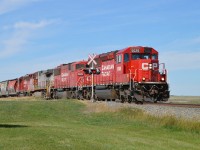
[163, 69]
[136, 73]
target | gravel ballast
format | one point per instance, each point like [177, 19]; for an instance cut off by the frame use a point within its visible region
[158, 110]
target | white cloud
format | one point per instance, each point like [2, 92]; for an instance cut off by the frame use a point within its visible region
[10, 5]
[182, 54]
[177, 60]
[195, 40]
[22, 33]
[14, 44]
[32, 26]
[184, 44]
[43, 63]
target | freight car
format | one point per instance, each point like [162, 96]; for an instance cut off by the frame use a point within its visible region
[131, 74]
[8, 88]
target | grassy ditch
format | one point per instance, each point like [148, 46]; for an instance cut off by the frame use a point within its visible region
[70, 124]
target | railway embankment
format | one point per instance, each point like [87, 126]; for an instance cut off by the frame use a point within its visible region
[184, 108]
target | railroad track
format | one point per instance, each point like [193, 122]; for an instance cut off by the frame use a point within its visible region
[176, 105]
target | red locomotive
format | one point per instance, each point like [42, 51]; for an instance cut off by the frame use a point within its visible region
[130, 74]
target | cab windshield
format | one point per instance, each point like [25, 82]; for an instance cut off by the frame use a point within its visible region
[140, 56]
[154, 56]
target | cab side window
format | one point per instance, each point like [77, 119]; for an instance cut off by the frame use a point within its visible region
[126, 57]
[119, 59]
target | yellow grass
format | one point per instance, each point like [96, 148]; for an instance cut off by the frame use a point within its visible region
[99, 107]
[25, 98]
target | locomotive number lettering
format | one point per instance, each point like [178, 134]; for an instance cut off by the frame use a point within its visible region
[119, 68]
[135, 50]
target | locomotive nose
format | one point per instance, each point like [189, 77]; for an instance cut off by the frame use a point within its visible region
[149, 71]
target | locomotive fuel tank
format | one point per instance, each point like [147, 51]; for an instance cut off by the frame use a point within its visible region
[103, 93]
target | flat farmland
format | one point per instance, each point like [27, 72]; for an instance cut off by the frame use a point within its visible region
[185, 99]
[70, 124]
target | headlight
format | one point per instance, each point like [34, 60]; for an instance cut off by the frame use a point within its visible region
[143, 79]
[162, 79]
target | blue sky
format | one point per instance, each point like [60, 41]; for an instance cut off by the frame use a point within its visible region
[41, 34]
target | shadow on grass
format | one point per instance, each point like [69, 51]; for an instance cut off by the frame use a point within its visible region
[12, 126]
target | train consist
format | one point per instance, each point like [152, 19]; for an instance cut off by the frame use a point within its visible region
[131, 74]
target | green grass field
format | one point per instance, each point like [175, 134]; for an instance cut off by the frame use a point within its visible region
[68, 124]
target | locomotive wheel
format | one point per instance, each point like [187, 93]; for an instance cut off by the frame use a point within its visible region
[155, 100]
[73, 96]
[80, 97]
[96, 97]
[129, 99]
[88, 97]
[138, 102]
[122, 98]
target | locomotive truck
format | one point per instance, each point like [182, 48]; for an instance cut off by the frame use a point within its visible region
[131, 74]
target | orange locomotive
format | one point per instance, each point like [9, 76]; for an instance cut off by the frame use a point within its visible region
[130, 74]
